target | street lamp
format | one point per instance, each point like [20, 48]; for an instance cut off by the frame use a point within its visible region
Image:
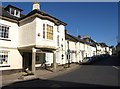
[68, 54]
[62, 54]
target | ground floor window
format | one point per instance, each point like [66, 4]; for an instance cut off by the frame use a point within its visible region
[3, 57]
[40, 58]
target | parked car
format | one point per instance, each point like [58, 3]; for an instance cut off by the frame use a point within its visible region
[86, 60]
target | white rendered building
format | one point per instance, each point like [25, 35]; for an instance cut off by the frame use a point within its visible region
[27, 40]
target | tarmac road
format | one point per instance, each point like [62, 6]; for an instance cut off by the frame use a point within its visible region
[101, 74]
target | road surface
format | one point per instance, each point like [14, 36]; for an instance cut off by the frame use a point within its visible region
[101, 74]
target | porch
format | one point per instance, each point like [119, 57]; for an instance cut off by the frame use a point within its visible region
[34, 57]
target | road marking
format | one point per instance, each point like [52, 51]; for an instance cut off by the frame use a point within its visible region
[116, 67]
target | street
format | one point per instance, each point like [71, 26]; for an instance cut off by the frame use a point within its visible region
[103, 73]
[100, 74]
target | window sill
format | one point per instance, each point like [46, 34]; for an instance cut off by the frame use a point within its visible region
[48, 40]
[5, 39]
[4, 65]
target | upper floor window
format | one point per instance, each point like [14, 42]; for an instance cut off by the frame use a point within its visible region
[57, 28]
[3, 57]
[57, 40]
[4, 31]
[17, 13]
[14, 12]
[62, 39]
[49, 32]
[44, 31]
[75, 45]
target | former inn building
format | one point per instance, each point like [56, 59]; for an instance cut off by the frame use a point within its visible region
[25, 39]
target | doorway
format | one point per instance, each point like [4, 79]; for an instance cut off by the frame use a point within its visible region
[27, 60]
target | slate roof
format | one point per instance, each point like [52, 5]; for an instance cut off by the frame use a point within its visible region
[70, 37]
[118, 45]
[91, 43]
[73, 38]
[5, 13]
[76, 39]
[6, 8]
[43, 14]
[103, 45]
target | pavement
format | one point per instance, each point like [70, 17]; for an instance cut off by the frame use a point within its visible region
[41, 74]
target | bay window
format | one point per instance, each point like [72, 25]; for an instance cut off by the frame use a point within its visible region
[49, 32]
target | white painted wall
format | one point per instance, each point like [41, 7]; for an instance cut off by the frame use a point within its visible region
[98, 49]
[86, 47]
[72, 47]
[13, 35]
[78, 52]
[110, 51]
[61, 51]
[107, 49]
[93, 51]
[14, 59]
[27, 32]
[82, 51]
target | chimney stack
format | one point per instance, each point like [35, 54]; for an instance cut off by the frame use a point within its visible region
[86, 38]
[79, 36]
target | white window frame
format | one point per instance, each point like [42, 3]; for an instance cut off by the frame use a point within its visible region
[5, 51]
[15, 12]
[1, 31]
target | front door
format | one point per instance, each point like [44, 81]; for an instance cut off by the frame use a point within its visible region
[27, 61]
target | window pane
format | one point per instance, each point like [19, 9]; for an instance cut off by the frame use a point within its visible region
[17, 13]
[43, 30]
[49, 32]
[3, 57]
[12, 11]
[4, 31]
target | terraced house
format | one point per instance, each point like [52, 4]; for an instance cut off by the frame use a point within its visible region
[78, 48]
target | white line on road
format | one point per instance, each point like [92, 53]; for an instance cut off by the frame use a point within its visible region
[116, 67]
